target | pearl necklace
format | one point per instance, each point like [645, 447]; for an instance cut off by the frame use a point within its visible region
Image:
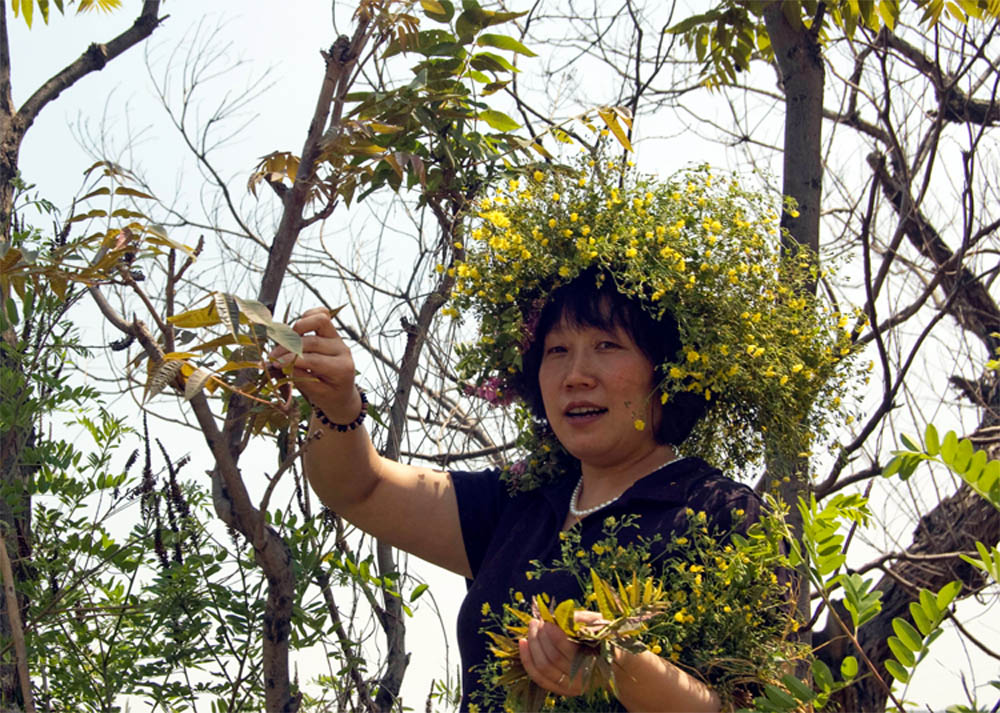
[575, 497]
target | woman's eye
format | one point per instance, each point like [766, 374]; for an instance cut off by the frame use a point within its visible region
[555, 350]
[607, 344]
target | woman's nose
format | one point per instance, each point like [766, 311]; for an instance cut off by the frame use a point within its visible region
[579, 371]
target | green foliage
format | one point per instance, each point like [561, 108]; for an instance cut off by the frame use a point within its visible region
[821, 545]
[765, 354]
[435, 131]
[909, 645]
[733, 33]
[959, 455]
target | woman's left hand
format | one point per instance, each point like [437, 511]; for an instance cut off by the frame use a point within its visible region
[548, 654]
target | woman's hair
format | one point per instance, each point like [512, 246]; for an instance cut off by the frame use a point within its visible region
[593, 300]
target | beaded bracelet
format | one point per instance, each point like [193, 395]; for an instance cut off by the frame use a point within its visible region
[343, 427]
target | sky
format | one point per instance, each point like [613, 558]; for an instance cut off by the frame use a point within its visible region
[279, 42]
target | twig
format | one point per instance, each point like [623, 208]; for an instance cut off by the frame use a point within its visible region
[16, 629]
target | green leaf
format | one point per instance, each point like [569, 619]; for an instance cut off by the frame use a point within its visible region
[976, 465]
[948, 447]
[889, 12]
[849, 667]
[920, 619]
[490, 62]
[929, 604]
[907, 634]
[689, 23]
[910, 445]
[417, 591]
[963, 455]
[892, 467]
[504, 42]
[947, 594]
[779, 697]
[822, 675]
[438, 10]
[498, 120]
[931, 441]
[901, 652]
[897, 671]
[797, 688]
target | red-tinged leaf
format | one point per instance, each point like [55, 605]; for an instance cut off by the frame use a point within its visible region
[418, 167]
[394, 164]
[59, 285]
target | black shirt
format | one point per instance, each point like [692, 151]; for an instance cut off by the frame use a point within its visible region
[504, 533]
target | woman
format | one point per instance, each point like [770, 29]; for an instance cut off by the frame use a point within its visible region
[590, 372]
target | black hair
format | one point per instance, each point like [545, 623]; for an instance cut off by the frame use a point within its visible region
[592, 300]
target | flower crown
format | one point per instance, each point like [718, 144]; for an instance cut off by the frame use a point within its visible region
[758, 346]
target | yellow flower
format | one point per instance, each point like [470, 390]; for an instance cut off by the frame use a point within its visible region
[656, 648]
[581, 554]
[485, 609]
[573, 217]
[555, 197]
[552, 222]
[497, 218]
[693, 356]
[518, 597]
[639, 424]
[564, 271]
[632, 252]
[598, 549]
[538, 176]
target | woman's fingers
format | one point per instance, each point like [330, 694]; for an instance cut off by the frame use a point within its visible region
[547, 655]
[324, 372]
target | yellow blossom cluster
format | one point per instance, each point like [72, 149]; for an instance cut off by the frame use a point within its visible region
[759, 346]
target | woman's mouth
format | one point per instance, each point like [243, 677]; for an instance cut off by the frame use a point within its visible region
[580, 413]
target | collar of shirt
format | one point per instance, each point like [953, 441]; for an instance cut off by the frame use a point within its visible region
[667, 485]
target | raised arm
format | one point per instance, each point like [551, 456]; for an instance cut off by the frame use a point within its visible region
[410, 507]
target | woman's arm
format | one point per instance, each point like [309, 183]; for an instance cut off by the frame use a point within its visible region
[645, 681]
[409, 507]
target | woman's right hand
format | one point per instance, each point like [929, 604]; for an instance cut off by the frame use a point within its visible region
[325, 371]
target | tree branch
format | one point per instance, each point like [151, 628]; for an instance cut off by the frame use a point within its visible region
[92, 60]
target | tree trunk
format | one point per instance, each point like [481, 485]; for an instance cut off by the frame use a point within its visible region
[800, 63]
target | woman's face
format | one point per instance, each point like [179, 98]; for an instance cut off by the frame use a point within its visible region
[595, 384]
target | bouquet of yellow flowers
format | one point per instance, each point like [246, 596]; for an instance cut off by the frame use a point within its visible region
[717, 607]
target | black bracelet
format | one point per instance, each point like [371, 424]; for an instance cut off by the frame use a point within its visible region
[343, 427]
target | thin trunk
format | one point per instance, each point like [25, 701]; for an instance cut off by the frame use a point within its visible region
[800, 62]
